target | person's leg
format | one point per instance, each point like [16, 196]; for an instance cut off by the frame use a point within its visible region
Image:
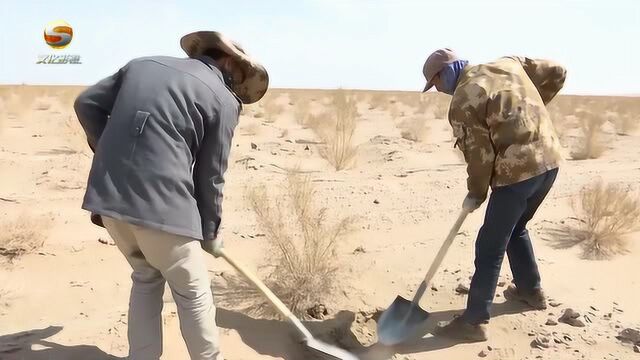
[181, 261]
[505, 208]
[520, 249]
[145, 302]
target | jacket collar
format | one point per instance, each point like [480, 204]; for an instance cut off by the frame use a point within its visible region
[213, 65]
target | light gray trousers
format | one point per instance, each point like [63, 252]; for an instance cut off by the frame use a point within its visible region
[156, 257]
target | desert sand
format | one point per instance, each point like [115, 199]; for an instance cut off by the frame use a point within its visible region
[68, 299]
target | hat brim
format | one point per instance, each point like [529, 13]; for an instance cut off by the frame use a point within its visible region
[256, 80]
[428, 86]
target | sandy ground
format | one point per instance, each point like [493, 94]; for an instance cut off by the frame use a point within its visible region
[69, 300]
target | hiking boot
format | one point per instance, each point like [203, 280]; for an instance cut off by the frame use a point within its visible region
[459, 329]
[534, 298]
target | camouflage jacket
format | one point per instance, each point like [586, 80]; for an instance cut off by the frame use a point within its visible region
[501, 123]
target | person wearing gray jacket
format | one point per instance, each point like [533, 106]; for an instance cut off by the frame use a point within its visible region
[161, 130]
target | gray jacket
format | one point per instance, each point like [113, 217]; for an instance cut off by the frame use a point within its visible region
[161, 130]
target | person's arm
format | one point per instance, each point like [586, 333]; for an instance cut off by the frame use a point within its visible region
[210, 166]
[93, 106]
[474, 139]
[546, 75]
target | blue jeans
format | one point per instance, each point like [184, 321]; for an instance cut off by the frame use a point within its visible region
[505, 230]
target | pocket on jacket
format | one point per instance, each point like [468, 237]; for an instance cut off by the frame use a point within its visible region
[137, 127]
[139, 122]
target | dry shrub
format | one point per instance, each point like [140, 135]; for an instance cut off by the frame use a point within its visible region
[414, 129]
[609, 212]
[318, 123]
[22, 236]
[422, 105]
[271, 109]
[591, 146]
[337, 132]
[302, 257]
[42, 104]
[301, 110]
[377, 100]
[394, 111]
[18, 104]
[440, 108]
[626, 124]
[606, 212]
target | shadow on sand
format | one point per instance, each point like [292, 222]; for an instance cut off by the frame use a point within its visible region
[19, 346]
[278, 339]
[425, 341]
[267, 337]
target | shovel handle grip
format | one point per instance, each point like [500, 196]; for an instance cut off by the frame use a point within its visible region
[441, 254]
[273, 299]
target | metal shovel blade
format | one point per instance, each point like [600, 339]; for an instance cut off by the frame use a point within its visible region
[329, 351]
[400, 321]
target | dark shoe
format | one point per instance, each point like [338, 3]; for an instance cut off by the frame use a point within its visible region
[459, 329]
[535, 298]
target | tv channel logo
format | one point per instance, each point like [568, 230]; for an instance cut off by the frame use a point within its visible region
[58, 35]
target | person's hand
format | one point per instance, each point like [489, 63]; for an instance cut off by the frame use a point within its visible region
[213, 247]
[471, 203]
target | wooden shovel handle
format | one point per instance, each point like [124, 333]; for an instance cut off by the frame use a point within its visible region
[273, 299]
[441, 254]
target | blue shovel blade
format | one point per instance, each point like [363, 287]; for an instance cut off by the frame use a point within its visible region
[400, 321]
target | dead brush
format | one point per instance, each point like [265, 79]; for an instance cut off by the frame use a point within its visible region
[377, 100]
[337, 132]
[627, 123]
[271, 109]
[301, 110]
[606, 213]
[414, 129]
[22, 236]
[302, 259]
[422, 105]
[18, 104]
[42, 104]
[440, 108]
[591, 146]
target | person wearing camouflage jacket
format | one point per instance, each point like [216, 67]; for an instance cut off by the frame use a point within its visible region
[501, 124]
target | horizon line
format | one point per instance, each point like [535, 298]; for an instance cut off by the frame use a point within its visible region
[337, 88]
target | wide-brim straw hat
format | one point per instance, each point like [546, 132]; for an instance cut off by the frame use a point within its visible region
[254, 85]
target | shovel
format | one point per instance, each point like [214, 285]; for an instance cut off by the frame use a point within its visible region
[403, 318]
[326, 350]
